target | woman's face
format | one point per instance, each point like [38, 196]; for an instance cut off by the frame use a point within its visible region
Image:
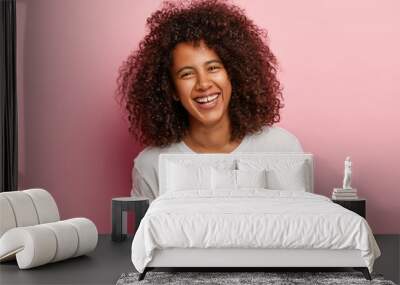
[201, 83]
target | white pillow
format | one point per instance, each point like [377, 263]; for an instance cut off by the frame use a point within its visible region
[288, 178]
[181, 177]
[236, 179]
[223, 179]
[251, 178]
[280, 174]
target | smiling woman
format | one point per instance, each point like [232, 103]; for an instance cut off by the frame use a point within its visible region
[203, 80]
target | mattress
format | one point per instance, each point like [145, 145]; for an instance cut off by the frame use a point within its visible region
[250, 219]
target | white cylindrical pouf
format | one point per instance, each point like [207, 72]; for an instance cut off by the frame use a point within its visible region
[45, 205]
[67, 239]
[23, 208]
[34, 245]
[87, 234]
[7, 218]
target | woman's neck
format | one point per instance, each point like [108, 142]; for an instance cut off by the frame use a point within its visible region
[210, 139]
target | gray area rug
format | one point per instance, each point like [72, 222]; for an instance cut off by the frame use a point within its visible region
[269, 278]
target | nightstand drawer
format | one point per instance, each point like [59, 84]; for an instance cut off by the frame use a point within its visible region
[357, 206]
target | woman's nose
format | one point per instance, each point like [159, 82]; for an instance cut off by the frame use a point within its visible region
[203, 82]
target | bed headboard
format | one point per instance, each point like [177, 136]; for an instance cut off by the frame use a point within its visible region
[233, 160]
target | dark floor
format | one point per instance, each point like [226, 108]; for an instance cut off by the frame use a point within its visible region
[110, 260]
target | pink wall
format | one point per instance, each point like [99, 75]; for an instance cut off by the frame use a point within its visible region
[339, 66]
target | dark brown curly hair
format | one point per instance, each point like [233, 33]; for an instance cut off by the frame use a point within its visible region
[146, 88]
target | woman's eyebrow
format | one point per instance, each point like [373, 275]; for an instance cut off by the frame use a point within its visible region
[206, 63]
[212, 61]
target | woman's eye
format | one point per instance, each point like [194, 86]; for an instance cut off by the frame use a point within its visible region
[186, 74]
[213, 68]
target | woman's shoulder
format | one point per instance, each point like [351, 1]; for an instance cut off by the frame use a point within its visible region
[274, 139]
[278, 132]
[147, 159]
[147, 155]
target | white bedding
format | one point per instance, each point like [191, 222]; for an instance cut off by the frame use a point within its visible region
[251, 218]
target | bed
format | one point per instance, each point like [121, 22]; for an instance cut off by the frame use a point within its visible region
[247, 210]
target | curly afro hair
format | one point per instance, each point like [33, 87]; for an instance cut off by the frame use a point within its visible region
[146, 88]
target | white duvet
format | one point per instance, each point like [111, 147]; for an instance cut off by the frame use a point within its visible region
[252, 218]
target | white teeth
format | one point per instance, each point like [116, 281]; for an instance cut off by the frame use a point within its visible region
[206, 98]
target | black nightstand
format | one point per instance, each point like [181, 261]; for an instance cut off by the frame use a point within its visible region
[119, 218]
[358, 206]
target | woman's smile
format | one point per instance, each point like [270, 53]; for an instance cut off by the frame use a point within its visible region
[207, 102]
